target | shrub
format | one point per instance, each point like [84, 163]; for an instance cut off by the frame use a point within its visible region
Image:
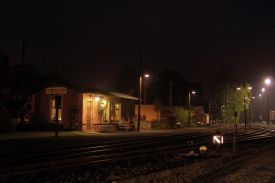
[181, 115]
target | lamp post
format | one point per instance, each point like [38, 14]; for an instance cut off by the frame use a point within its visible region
[189, 106]
[139, 91]
[267, 82]
[249, 110]
[244, 101]
[146, 76]
[260, 111]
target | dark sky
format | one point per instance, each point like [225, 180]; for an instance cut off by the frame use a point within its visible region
[95, 38]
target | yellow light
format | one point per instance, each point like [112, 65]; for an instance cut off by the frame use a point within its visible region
[238, 88]
[203, 149]
[250, 88]
[97, 99]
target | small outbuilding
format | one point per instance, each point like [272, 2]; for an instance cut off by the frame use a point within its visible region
[85, 109]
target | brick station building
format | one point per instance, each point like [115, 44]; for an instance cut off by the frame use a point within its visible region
[85, 109]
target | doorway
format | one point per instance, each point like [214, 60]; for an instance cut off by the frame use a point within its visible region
[89, 114]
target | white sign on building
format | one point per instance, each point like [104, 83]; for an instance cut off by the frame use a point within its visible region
[56, 90]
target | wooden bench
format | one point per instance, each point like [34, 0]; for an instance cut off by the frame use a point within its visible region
[125, 126]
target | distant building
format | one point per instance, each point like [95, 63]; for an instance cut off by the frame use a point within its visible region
[84, 109]
[149, 115]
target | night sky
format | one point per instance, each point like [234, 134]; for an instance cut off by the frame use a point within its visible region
[95, 38]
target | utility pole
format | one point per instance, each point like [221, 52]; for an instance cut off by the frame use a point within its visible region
[235, 133]
[244, 104]
[267, 104]
[227, 111]
[145, 93]
[22, 50]
[140, 91]
[249, 112]
[22, 79]
[189, 109]
[170, 95]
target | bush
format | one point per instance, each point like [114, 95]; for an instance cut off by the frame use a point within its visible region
[6, 125]
[181, 115]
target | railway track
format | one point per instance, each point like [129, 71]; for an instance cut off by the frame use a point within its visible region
[28, 162]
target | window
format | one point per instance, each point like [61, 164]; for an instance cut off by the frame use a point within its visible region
[117, 112]
[105, 108]
[55, 102]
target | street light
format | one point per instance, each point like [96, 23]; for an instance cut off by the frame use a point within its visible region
[189, 106]
[244, 100]
[146, 76]
[267, 82]
[263, 90]
[140, 94]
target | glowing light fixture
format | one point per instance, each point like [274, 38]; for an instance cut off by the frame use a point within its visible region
[239, 88]
[146, 75]
[97, 99]
[193, 92]
[267, 81]
[263, 90]
[250, 88]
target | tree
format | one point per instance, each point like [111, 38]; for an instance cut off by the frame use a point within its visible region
[5, 86]
[181, 115]
[5, 75]
[226, 96]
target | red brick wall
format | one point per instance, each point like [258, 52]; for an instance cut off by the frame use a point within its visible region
[70, 100]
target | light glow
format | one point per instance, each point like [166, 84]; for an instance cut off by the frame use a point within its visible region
[146, 75]
[193, 92]
[267, 81]
[239, 88]
[97, 99]
[250, 88]
[263, 90]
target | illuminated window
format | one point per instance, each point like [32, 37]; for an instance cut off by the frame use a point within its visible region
[105, 108]
[117, 112]
[55, 102]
